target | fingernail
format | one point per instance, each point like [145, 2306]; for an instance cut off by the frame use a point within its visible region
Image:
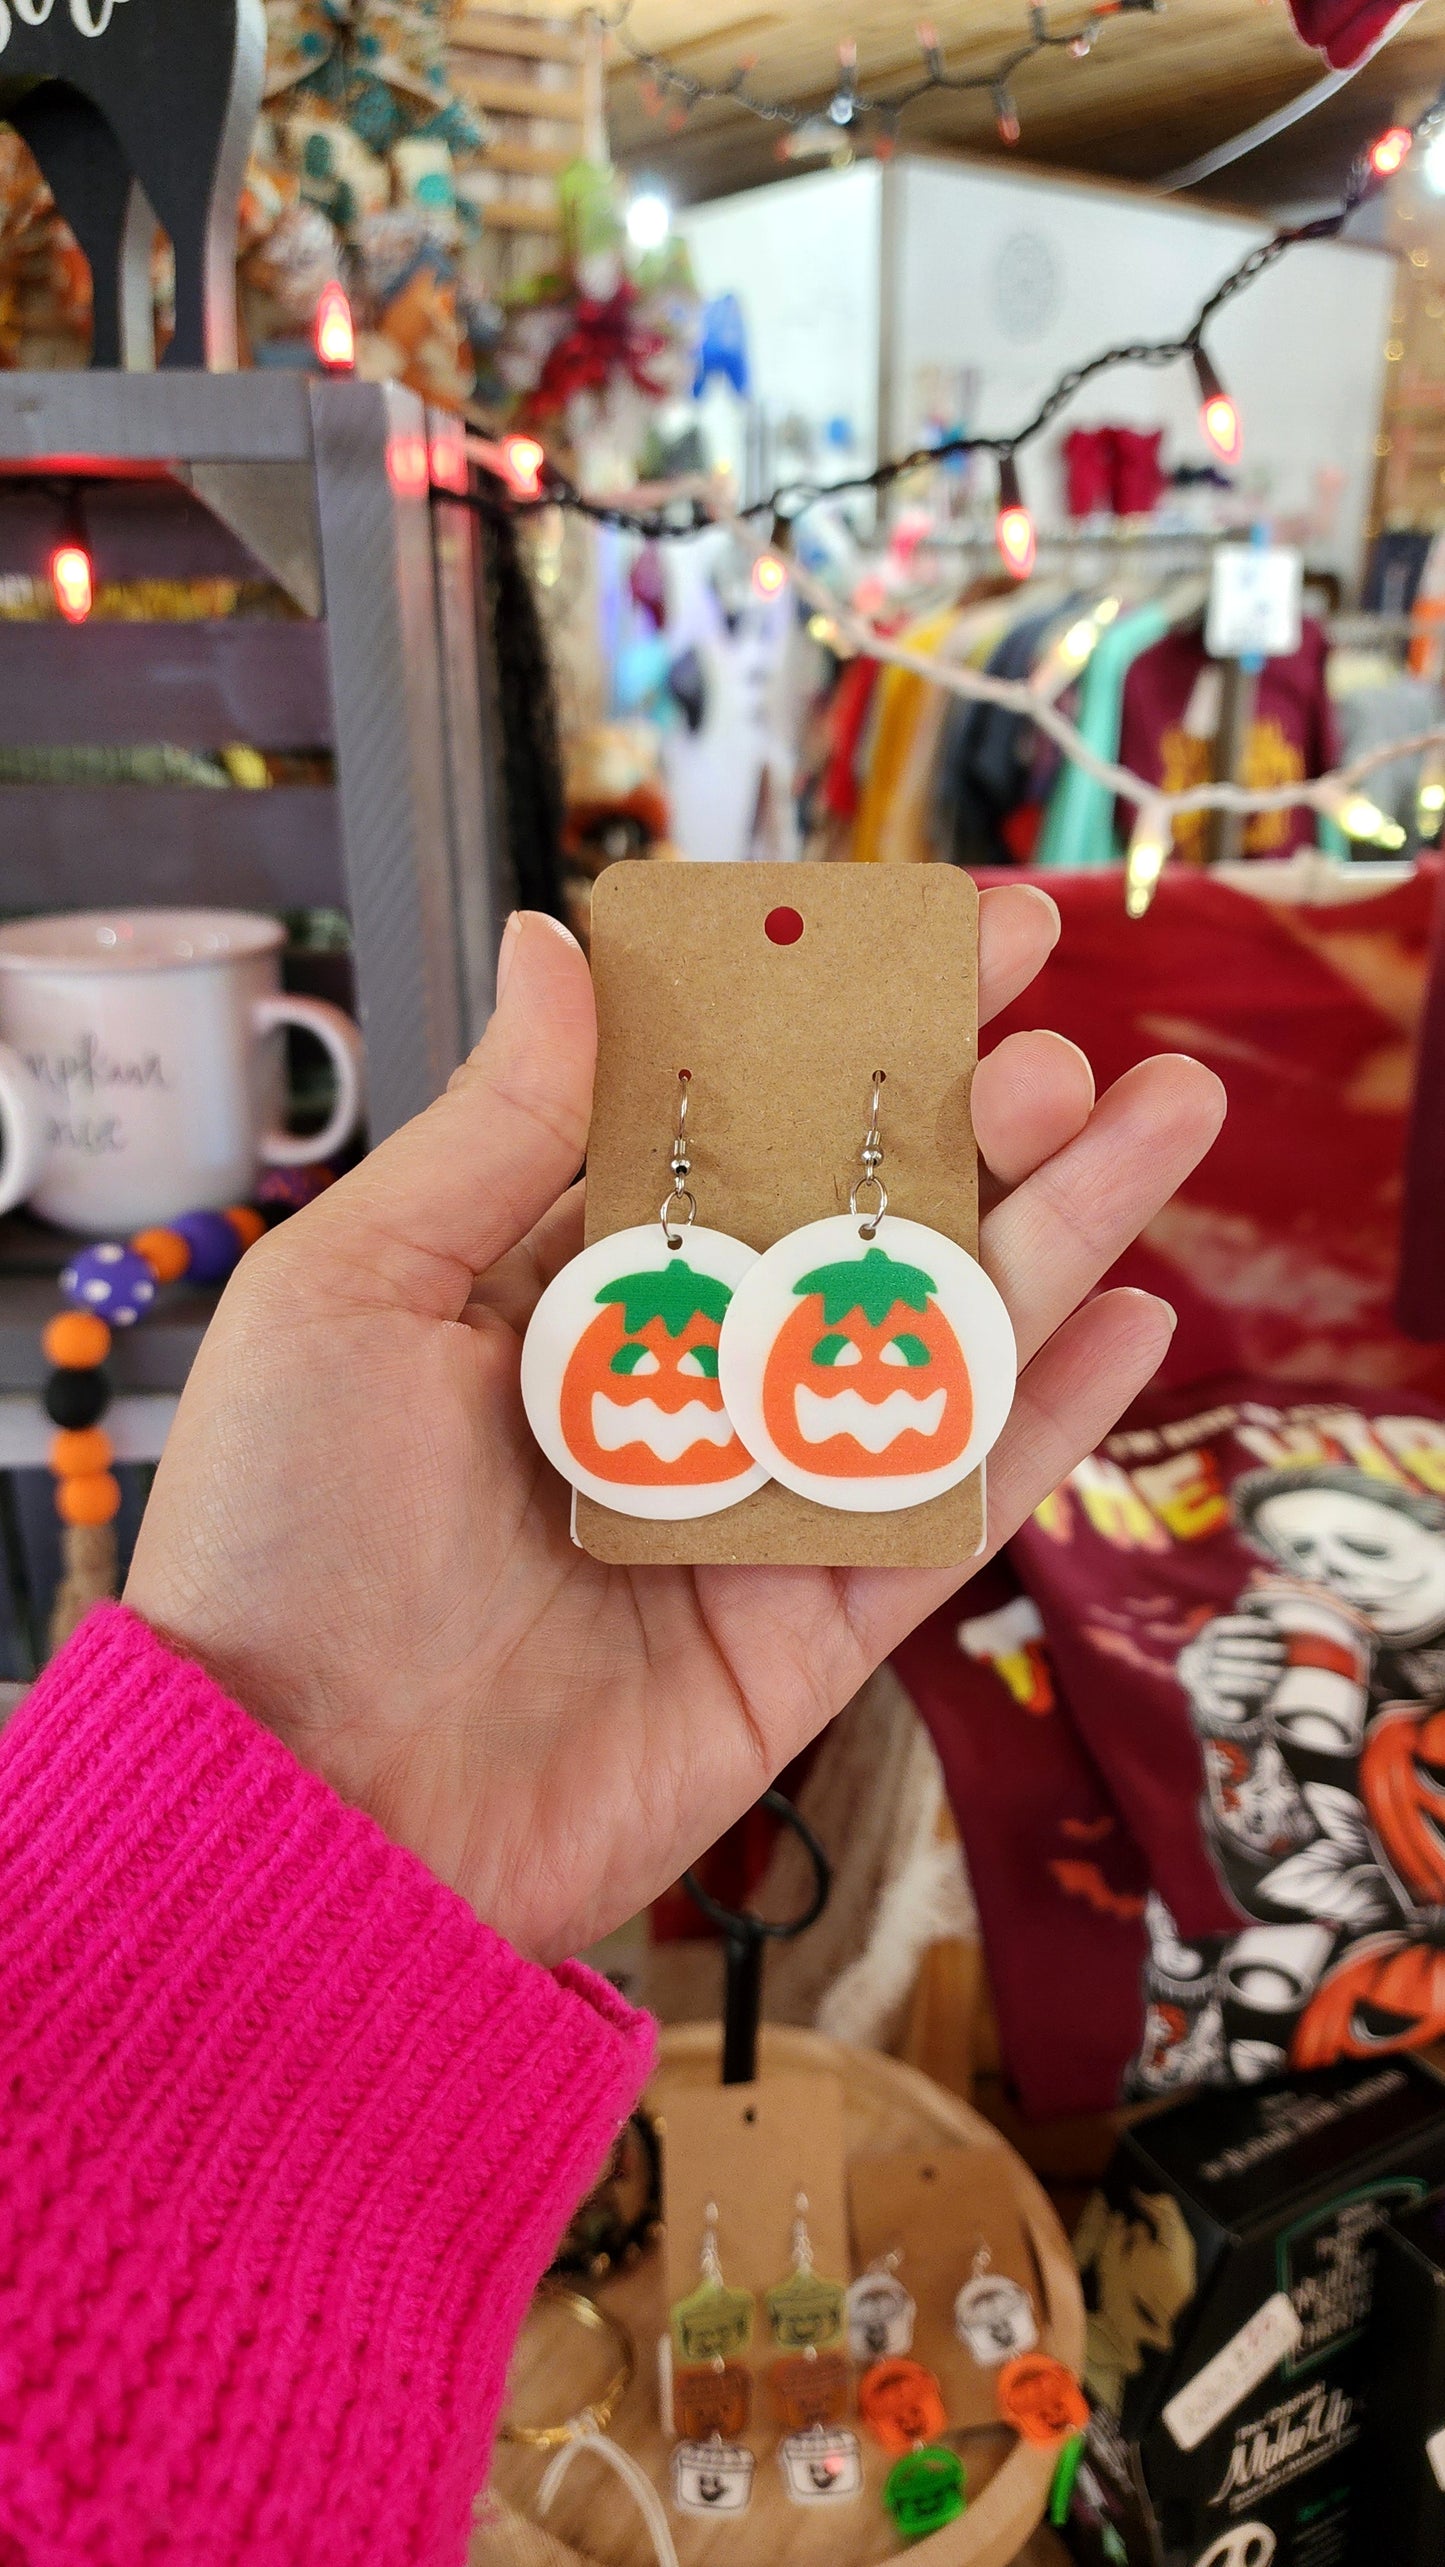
[507, 949]
[1170, 1313]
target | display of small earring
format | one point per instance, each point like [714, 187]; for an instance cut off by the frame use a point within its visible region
[596, 2416]
[812, 2385]
[902, 2405]
[881, 2313]
[821, 2467]
[992, 2315]
[713, 2322]
[710, 2398]
[1040, 2397]
[925, 2490]
[864, 1377]
[620, 1363]
[710, 2476]
[806, 2312]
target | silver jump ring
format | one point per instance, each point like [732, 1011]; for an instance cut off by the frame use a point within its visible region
[671, 1230]
[870, 1225]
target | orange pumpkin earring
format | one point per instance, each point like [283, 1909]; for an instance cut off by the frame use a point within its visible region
[620, 1363]
[868, 1377]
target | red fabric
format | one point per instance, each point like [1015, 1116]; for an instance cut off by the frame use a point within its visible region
[1053, 1870]
[1280, 1251]
[1087, 475]
[1135, 478]
[1420, 1302]
[848, 713]
[1279, 1254]
[1344, 31]
[1291, 736]
[288, 2140]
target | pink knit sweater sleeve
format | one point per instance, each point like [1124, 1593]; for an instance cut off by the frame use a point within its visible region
[286, 2140]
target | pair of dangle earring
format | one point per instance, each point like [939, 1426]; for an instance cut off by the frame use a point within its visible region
[670, 1373]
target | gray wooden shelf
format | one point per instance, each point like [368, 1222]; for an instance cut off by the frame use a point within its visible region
[320, 487]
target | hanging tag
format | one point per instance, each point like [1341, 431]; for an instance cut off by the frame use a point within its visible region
[822, 2468]
[713, 2398]
[1255, 601]
[712, 2322]
[901, 2404]
[1041, 2399]
[807, 2312]
[808, 2390]
[924, 2491]
[712, 2477]
[995, 2318]
[881, 2316]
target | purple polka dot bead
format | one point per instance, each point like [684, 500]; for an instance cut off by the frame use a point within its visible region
[110, 1280]
[291, 1189]
[213, 1244]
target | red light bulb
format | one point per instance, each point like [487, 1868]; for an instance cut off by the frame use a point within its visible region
[1013, 526]
[1390, 151]
[333, 331]
[1218, 416]
[524, 459]
[72, 581]
[770, 575]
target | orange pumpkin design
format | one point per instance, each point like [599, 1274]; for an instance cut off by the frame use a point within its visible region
[1402, 1784]
[1387, 1994]
[866, 1379]
[640, 1401]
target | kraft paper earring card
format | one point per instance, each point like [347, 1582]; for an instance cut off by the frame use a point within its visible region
[784, 990]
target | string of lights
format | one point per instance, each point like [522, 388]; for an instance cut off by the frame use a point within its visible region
[542, 482]
[876, 114]
[1336, 796]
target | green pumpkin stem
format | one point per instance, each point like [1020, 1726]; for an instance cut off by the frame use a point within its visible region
[873, 1283]
[674, 1293]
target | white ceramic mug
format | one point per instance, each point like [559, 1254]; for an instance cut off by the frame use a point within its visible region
[142, 1073]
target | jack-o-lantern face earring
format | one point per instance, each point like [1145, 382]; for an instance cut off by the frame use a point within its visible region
[620, 1364]
[868, 1372]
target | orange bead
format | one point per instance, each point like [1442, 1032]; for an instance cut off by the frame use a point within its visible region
[78, 1452]
[93, 1498]
[246, 1222]
[76, 1340]
[166, 1253]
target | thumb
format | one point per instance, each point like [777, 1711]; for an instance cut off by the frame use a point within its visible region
[448, 1194]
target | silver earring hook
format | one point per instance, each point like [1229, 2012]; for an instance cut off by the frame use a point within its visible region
[871, 1155]
[675, 1222]
[711, 2267]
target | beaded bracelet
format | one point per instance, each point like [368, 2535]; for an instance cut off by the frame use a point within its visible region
[109, 1286]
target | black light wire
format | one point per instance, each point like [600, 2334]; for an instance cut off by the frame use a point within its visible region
[691, 515]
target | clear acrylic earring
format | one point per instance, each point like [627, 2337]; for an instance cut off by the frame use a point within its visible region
[868, 1372]
[620, 1363]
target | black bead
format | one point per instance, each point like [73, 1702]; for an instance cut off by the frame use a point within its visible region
[77, 1398]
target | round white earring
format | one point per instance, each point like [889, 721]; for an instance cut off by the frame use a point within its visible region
[865, 1376]
[620, 1365]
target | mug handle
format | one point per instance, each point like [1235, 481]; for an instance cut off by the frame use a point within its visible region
[342, 1041]
[25, 1122]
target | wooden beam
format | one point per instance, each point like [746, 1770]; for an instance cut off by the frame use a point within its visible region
[524, 98]
[504, 214]
[487, 31]
[527, 160]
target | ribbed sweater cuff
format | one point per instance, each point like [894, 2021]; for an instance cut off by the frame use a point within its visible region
[286, 2140]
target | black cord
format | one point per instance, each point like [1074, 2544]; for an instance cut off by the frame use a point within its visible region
[690, 516]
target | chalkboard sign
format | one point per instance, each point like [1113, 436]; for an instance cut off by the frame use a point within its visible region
[141, 111]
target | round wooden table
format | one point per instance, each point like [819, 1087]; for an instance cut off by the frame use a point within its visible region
[886, 2106]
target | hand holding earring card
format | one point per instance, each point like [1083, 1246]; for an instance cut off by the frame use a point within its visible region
[874, 1362]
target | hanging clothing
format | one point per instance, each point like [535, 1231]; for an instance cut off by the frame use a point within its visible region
[1166, 738]
[1078, 826]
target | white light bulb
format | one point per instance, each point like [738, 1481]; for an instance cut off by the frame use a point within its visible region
[649, 220]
